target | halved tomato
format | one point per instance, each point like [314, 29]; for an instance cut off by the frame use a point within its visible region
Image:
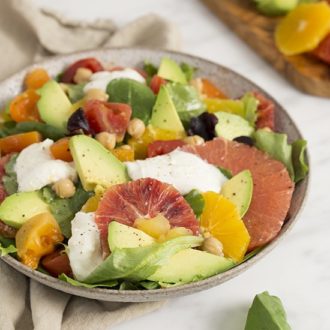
[108, 117]
[57, 263]
[89, 63]
[158, 148]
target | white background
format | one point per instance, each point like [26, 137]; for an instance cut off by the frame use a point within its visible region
[298, 270]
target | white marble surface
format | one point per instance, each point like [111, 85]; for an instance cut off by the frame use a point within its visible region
[298, 270]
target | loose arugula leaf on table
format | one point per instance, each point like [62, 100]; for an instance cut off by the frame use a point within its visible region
[137, 264]
[196, 201]
[47, 131]
[109, 284]
[64, 209]
[9, 180]
[137, 95]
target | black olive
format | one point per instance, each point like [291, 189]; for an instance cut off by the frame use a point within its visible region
[203, 125]
[78, 124]
[245, 139]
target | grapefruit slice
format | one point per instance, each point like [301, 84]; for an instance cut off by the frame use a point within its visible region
[143, 198]
[272, 189]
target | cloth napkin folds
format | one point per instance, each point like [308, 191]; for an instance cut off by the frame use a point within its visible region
[27, 34]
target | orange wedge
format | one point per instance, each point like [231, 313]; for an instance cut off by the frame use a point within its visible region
[221, 219]
[303, 28]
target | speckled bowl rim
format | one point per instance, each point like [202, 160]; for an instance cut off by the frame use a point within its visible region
[158, 294]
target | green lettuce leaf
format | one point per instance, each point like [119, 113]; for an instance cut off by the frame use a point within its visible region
[109, 284]
[299, 159]
[150, 70]
[9, 180]
[47, 131]
[188, 70]
[186, 100]
[250, 104]
[291, 155]
[137, 264]
[137, 95]
[196, 201]
[227, 173]
[275, 145]
[64, 209]
[7, 246]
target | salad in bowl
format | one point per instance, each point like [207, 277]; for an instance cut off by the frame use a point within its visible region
[140, 177]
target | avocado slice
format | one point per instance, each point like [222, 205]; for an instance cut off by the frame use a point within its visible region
[16, 209]
[276, 7]
[54, 106]
[266, 312]
[121, 236]
[95, 164]
[170, 70]
[191, 265]
[230, 126]
[164, 114]
[239, 190]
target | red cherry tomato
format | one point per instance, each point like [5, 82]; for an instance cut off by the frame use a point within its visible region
[156, 82]
[108, 117]
[57, 263]
[158, 148]
[89, 63]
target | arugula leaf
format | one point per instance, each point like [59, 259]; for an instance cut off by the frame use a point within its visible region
[47, 131]
[188, 70]
[137, 264]
[7, 246]
[137, 95]
[186, 100]
[64, 209]
[109, 284]
[75, 92]
[276, 145]
[150, 70]
[9, 180]
[196, 201]
[299, 159]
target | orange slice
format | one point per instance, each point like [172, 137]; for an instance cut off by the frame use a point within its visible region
[221, 219]
[303, 28]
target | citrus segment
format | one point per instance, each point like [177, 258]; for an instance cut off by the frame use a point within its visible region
[220, 217]
[303, 28]
[143, 198]
[272, 189]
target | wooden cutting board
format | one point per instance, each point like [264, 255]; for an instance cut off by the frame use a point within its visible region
[305, 72]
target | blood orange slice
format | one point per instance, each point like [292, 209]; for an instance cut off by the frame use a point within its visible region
[143, 198]
[272, 189]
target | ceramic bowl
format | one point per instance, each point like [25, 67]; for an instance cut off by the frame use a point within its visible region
[233, 85]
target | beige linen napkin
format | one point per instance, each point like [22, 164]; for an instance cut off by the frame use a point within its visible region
[28, 34]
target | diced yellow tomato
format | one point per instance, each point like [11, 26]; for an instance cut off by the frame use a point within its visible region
[36, 78]
[18, 142]
[124, 154]
[91, 204]
[36, 238]
[60, 150]
[151, 134]
[24, 107]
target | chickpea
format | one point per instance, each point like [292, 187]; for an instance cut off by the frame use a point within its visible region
[108, 140]
[136, 128]
[82, 75]
[64, 188]
[212, 245]
[194, 140]
[96, 94]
